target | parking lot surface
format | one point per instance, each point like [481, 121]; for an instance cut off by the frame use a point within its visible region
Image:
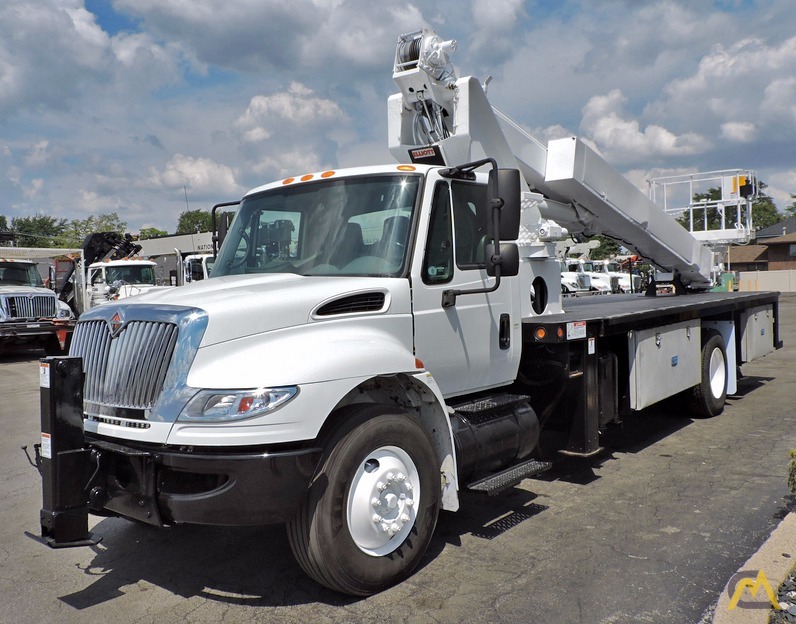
[649, 531]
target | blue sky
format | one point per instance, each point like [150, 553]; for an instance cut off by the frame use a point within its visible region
[124, 105]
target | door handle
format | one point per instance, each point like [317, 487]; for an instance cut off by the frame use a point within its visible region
[504, 333]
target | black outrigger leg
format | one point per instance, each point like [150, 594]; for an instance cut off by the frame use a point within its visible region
[65, 464]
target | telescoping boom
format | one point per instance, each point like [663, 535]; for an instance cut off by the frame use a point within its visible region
[438, 118]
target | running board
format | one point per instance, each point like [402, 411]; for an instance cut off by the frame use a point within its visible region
[496, 483]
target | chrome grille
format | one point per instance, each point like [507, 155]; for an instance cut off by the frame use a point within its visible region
[24, 307]
[127, 370]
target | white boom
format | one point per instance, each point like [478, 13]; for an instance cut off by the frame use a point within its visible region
[439, 119]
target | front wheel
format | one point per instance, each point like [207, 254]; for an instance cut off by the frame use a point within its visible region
[707, 398]
[371, 509]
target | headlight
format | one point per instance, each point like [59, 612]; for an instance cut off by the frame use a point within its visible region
[64, 311]
[226, 405]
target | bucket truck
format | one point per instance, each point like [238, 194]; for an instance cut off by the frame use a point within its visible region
[374, 340]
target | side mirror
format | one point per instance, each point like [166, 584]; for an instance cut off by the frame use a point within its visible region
[506, 184]
[509, 260]
[223, 227]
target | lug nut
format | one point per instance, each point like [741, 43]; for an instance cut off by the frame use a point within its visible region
[375, 502]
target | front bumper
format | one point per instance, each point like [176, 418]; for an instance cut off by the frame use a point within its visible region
[233, 488]
[25, 330]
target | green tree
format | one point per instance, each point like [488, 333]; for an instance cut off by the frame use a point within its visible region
[151, 232]
[77, 229]
[6, 235]
[764, 211]
[607, 250]
[790, 211]
[194, 221]
[38, 231]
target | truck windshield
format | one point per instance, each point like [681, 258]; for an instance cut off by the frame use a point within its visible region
[19, 274]
[345, 226]
[131, 274]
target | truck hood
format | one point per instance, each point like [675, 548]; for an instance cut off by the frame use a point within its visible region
[244, 305]
[25, 290]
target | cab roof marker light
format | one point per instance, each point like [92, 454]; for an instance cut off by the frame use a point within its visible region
[406, 168]
[328, 174]
[307, 177]
[288, 180]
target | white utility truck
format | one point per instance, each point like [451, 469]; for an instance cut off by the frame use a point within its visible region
[111, 280]
[374, 340]
[31, 313]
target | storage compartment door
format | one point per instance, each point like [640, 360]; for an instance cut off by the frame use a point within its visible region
[757, 332]
[663, 361]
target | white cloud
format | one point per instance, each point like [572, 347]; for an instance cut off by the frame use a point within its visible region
[197, 174]
[291, 131]
[623, 140]
[39, 154]
[35, 187]
[738, 131]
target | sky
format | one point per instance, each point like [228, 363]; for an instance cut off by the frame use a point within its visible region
[148, 108]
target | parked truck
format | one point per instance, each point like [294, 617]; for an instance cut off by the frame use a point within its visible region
[30, 312]
[108, 269]
[372, 341]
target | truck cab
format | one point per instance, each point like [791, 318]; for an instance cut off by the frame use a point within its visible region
[112, 280]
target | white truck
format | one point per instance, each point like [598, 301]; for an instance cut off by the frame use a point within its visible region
[111, 280]
[196, 267]
[374, 340]
[574, 282]
[30, 313]
[607, 273]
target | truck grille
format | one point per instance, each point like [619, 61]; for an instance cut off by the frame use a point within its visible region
[24, 307]
[126, 370]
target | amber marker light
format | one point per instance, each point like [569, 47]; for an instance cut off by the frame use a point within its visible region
[540, 333]
[306, 178]
[327, 174]
[419, 363]
[560, 332]
[406, 168]
[288, 180]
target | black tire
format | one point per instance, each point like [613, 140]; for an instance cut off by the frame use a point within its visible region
[368, 440]
[707, 397]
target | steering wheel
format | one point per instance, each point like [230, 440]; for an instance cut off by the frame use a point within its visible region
[235, 263]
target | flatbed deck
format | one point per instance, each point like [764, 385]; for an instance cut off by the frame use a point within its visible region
[607, 315]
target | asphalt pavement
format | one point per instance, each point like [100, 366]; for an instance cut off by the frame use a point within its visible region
[652, 530]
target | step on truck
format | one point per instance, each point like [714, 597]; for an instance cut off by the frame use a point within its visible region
[373, 341]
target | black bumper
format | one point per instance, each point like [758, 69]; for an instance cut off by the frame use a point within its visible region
[232, 488]
[25, 330]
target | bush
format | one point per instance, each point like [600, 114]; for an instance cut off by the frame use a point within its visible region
[792, 472]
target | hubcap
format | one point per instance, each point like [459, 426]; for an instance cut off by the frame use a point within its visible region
[717, 372]
[383, 500]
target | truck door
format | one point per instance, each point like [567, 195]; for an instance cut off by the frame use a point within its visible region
[461, 345]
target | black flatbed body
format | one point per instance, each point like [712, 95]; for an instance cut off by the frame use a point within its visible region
[606, 315]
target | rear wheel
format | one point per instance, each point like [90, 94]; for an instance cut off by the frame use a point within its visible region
[371, 509]
[707, 398]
